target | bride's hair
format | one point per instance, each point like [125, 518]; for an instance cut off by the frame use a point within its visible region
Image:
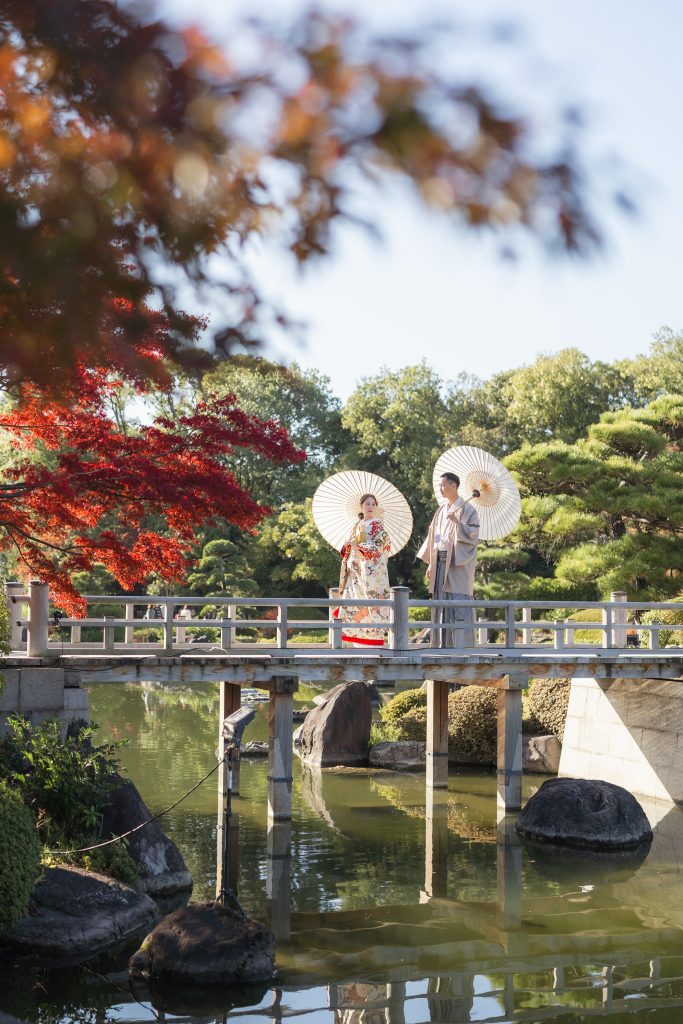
[363, 499]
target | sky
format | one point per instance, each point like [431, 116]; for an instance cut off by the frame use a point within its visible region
[428, 290]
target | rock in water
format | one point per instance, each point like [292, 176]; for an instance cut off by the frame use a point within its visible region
[586, 813]
[337, 731]
[161, 868]
[205, 944]
[541, 754]
[76, 912]
[400, 756]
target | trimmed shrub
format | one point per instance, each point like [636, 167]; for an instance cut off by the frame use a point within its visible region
[472, 725]
[414, 724]
[548, 702]
[19, 857]
[393, 713]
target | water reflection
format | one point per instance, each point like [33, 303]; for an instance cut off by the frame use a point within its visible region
[390, 903]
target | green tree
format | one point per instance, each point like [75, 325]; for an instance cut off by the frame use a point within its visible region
[559, 396]
[299, 400]
[608, 510]
[222, 570]
[661, 370]
[399, 422]
[291, 558]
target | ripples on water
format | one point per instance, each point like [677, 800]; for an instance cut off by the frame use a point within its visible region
[505, 937]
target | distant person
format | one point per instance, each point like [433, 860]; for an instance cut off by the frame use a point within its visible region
[364, 574]
[451, 553]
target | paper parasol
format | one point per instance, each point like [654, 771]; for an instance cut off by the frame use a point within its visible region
[336, 505]
[498, 503]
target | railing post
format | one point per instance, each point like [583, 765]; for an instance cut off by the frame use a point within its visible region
[510, 626]
[619, 618]
[399, 634]
[108, 634]
[12, 592]
[129, 635]
[181, 636]
[334, 635]
[281, 628]
[168, 626]
[607, 627]
[482, 633]
[229, 633]
[526, 630]
[38, 603]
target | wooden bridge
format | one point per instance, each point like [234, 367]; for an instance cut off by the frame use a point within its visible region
[515, 641]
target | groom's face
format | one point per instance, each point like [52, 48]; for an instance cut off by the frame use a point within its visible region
[448, 488]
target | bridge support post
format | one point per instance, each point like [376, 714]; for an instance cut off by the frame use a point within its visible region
[279, 878]
[437, 734]
[280, 721]
[229, 702]
[509, 759]
[436, 846]
[508, 875]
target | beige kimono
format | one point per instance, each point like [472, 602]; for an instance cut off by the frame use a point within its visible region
[459, 531]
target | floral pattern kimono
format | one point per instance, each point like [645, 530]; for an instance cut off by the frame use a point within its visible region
[364, 574]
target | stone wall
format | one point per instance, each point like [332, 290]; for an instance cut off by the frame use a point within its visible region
[39, 693]
[626, 731]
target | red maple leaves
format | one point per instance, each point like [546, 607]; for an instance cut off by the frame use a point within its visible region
[130, 501]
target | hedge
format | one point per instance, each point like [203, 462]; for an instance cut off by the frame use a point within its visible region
[19, 857]
[548, 701]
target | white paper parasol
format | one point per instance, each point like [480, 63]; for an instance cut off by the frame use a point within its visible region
[336, 505]
[498, 502]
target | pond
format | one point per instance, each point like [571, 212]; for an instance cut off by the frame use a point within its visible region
[396, 912]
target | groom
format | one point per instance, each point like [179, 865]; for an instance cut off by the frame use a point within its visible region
[451, 553]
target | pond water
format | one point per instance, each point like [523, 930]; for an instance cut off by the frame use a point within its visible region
[395, 912]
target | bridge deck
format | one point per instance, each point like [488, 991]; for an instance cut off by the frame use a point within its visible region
[327, 667]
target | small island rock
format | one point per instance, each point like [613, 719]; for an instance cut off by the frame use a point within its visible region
[204, 944]
[588, 813]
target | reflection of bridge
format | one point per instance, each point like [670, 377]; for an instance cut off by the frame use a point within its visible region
[512, 645]
[456, 959]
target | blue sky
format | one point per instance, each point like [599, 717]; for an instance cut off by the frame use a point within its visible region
[429, 291]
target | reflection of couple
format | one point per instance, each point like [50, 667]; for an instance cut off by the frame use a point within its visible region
[450, 551]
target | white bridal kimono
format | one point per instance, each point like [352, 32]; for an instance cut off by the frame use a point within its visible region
[364, 574]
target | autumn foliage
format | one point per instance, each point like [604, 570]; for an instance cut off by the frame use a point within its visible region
[136, 162]
[131, 502]
[133, 154]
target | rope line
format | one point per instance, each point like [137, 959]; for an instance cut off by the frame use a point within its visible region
[155, 817]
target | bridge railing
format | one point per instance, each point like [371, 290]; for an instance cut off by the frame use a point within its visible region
[155, 624]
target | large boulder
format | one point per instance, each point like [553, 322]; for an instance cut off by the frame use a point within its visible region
[76, 912]
[400, 756]
[206, 944]
[586, 813]
[337, 731]
[161, 868]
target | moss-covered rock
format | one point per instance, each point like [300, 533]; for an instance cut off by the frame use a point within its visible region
[472, 725]
[19, 857]
[548, 701]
